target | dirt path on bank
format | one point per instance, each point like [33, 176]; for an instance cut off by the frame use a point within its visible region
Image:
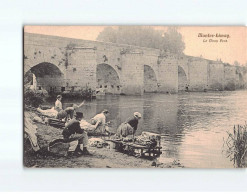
[100, 158]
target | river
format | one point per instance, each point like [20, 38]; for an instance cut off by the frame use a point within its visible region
[192, 125]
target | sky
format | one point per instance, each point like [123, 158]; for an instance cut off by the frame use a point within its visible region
[228, 43]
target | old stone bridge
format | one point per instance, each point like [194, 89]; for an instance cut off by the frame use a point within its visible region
[70, 65]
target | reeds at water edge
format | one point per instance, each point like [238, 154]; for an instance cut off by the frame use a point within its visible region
[235, 145]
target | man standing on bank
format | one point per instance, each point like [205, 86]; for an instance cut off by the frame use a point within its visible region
[72, 132]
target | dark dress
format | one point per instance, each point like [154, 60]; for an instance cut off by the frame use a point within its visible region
[133, 122]
[128, 128]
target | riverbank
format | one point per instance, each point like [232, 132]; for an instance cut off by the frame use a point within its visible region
[100, 158]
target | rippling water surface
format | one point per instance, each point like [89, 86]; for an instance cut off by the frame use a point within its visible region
[192, 125]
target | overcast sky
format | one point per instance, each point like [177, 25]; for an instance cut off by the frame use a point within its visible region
[235, 49]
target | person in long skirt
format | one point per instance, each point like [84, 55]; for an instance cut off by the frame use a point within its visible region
[129, 127]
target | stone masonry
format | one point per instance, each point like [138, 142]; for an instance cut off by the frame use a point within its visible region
[122, 69]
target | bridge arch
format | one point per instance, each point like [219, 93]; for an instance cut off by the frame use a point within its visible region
[182, 80]
[48, 76]
[108, 80]
[150, 80]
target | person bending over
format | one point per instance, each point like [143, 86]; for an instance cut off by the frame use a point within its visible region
[68, 112]
[129, 127]
[72, 132]
[101, 120]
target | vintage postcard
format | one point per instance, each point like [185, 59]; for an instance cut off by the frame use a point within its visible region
[135, 96]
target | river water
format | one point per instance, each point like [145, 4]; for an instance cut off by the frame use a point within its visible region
[192, 125]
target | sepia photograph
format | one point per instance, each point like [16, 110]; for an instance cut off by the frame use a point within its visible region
[134, 96]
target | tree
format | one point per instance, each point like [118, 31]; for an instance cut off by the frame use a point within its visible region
[144, 37]
[173, 41]
[236, 63]
[108, 35]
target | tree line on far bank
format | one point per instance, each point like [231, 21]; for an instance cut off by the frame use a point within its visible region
[143, 36]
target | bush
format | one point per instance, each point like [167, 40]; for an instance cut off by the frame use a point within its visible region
[85, 94]
[34, 98]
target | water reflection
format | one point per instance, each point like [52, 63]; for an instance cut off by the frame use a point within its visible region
[192, 125]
